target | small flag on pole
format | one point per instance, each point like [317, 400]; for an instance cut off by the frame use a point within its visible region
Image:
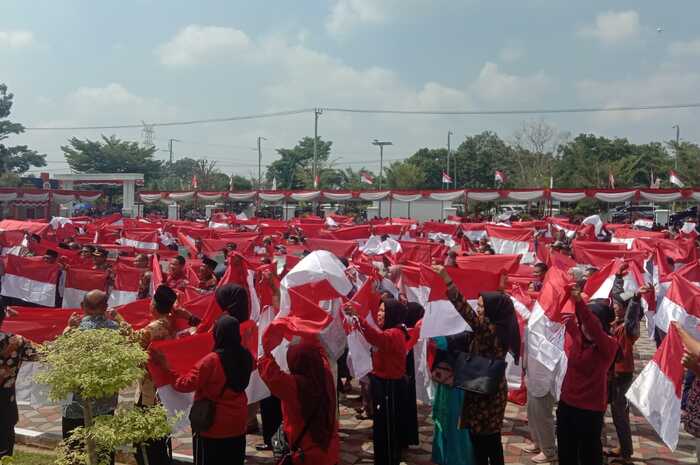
[446, 178]
[500, 177]
[194, 182]
[674, 179]
[317, 181]
[230, 183]
[274, 184]
[366, 178]
[611, 180]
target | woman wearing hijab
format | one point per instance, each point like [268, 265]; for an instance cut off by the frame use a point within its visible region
[591, 352]
[409, 408]
[233, 299]
[387, 380]
[495, 333]
[221, 376]
[308, 402]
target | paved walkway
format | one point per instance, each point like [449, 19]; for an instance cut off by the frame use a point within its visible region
[356, 443]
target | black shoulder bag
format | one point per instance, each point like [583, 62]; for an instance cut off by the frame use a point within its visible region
[202, 413]
[281, 447]
[477, 374]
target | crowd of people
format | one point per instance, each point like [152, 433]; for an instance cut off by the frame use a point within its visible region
[300, 415]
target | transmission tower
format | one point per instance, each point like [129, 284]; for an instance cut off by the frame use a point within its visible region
[147, 133]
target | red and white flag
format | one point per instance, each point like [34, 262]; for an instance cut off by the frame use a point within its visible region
[126, 285]
[657, 390]
[79, 282]
[141, 240]
[682, 304]
[317, 181]
[366, 178]
[513, 241]
[195, 184]
[446, 178]
[673, 178]
[31, 280]
[611, 180]
[500, 177]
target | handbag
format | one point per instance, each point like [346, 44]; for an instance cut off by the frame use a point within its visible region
[442, 371]
[202, 413]
[280, 446]
[477, 374]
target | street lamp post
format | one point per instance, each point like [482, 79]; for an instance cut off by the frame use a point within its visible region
[260, 138]
[449, 135]
[381, 145]
[678, 141]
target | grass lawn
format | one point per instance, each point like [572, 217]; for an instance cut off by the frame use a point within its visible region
[24, 457]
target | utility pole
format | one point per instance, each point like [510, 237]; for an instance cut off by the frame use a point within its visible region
[260, 163]
[449, 134]
[170, 148]
[317, 112]
[381, 145]
[678, 142]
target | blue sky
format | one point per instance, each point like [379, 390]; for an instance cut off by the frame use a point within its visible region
[74, 63]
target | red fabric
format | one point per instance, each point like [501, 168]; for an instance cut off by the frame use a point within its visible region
[600, 258]
[285, 387]
[32, 268]
[366, 300]
[86, 280]
[126, 278]
[494, 263]
[337, 247]
[389, 358]
[306, 319]
[624, 363]
[37, 324]
[668, 358]
[585, 384]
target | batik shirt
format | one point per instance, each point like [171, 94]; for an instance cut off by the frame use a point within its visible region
[18, 350]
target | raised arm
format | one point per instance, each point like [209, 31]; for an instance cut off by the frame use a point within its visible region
[282, 385]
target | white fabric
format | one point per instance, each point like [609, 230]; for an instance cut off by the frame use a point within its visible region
[89, 198]
[59, 221]
[654, 395]
[661, 197]
[374, 195]
[241, 196]
[330, 222]
[35, 197]
[269, 197]
[568, 196]
[508, 247]
[305, 196]
[27, 391]
[546, 359]
[447, 196]
[137, 244]
[483, 196]
[7, 196]
[359, 355]
[149, 198]
[242, 216]
[180, 196]
[29, 290]
[214, 225]
[117, 297]
[72, 298]
[615, 196]
[442, 319]
[596, 222]
[648, 224]
[406, 197]
[628, 241]
[669, 311]
[209, 197]
[425, 389]
[337, 196]
[177, 404]
[375, 246]
[63, 198]
[525, 196]
[688, 227]
[449, 241]
[257, 390]
[476, 235]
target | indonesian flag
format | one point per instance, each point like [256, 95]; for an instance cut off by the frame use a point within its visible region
[546, 356]
[194, 182]
[682, 304]
[79, 282]
[517, 392]
[689, 229]
[146, 240]
[644, 223]
[657, 390]
[446, 178]
[611, 180]
[317, 181]
[512, 241]
[366, 178]
[474, 231]
[305, 319]
[31, 280]
[673, 178]
[230, 183]
[500, 177]
[126, 285]
[274, 183]
[366, 301]
[628, 236]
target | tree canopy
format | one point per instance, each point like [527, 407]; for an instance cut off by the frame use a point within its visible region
[294, 167]
[19, 158]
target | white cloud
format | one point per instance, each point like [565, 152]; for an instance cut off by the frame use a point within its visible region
[511, 53]
[346, 14]
[197, 44]
[16, 39]
[685, 49]
[498, 87]
[613, 27]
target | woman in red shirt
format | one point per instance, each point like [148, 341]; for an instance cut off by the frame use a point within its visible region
[388, 377]
[308, 402]
[584, 392]
[221, 376]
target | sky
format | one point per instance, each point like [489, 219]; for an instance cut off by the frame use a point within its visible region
[73, 63]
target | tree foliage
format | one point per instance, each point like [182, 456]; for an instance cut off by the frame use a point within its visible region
[404, 175]
[294, 168]
[111, 155]
[19, 158]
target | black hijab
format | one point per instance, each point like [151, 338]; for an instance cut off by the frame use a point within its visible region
[499, 309]
[233, 299]
[236, 360]
[604, 314]
[414, 313]
[394, 315]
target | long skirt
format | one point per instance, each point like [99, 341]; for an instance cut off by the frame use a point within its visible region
[218, 451]
[386, 396]
[409, 408]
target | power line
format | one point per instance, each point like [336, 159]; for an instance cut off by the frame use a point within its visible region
[677, 106]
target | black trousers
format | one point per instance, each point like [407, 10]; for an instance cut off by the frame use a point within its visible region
[158, 452]
[8, 420]
[271, 414]
[220, 451]
[488, 449]
[386, 438]
[578, 436]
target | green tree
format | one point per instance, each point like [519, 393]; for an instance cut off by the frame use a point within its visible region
[113, 362]
[534, 147]
[404, 175]
[111, 155]
[688, 162]
[14, 159]
[635, 170]
[478, 157]
[294, 167]
[353, 179]
[432, 162]
[240, 183]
